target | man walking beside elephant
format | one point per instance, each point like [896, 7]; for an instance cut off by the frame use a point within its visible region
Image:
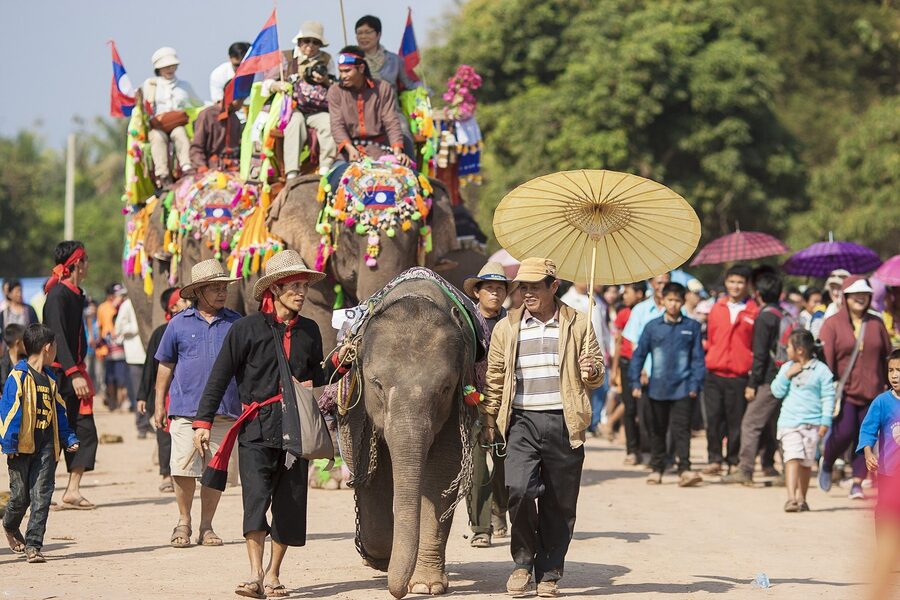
[542, 365]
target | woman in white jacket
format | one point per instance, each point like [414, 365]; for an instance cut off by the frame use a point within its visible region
[168, 94]
[135, 356]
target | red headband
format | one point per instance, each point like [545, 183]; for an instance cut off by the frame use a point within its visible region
[267, 303]
[64, 270]
[173, 300]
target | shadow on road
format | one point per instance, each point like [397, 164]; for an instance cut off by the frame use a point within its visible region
[595, 476]
[632, 537]
[776, 581]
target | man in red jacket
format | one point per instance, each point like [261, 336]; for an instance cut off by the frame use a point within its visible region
[729, 356]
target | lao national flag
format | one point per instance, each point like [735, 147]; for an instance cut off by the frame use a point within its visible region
[409, 51]
[121, 94]
[262, 56]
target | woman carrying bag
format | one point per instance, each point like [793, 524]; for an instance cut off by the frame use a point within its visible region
[168, 98]
[856, 345]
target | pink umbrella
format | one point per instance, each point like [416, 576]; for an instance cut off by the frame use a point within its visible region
[510, 265]
[740, 245]
[889, 272]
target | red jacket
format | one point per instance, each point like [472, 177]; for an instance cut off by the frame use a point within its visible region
[729, 351]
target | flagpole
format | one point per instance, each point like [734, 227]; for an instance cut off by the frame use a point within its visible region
[343, 21]
[280, 59]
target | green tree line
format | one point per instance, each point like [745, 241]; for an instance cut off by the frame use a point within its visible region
[783, 116]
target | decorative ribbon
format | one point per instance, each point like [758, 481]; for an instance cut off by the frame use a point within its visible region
[64, 270]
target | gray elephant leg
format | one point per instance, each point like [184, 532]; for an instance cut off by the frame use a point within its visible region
[430, 576]
[376, 515]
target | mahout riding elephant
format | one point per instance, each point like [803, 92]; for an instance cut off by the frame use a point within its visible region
[415, 355]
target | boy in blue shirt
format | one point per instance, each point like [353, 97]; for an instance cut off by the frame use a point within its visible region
[882, 425]
[674, 343]
[33, 426]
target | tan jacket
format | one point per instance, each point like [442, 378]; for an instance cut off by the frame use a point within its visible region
[575, 340]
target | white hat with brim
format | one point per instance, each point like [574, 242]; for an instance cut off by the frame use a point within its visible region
[205, 273]
[311, 29]
[492, 271]
[164, 57]
[284, 264]
[857, 286]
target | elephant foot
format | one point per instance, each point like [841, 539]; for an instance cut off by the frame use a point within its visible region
[379, 564]
[429, 581]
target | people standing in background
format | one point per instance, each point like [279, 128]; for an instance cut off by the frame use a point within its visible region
[728, 360]
[64, 314]
[891, 314]
[489, 497]
[855, 344]
[635, 431]
[832, 298]
[812, 309]
[135, 356]
[224, 73]
[13, 351]
[16, 310]
[115, 369]
[172, 304]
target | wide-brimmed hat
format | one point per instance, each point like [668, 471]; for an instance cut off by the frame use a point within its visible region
[856, 285]
[164, 57]
[533, 270]
[311, 29]
[492, 271]
[281, 265]
[205, 273]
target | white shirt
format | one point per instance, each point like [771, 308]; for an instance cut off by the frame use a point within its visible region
[735, 308]
[127, 329]
[219, 77]
[171, 94]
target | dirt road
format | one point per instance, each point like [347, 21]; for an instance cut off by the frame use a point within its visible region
[631, 540]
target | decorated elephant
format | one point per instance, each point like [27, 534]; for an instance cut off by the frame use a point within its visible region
[292, 217]
[406, 431]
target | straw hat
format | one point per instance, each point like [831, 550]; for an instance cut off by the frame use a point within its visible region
[311, 29]
[492, 271]
[533, 270]
[281, 265]
[164, 57]
[205, 273]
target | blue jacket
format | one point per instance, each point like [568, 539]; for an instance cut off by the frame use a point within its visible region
[18, 412]
[882, 426]
[808, 398]
[679, 365]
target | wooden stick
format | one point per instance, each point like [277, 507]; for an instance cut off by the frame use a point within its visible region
[344, 21]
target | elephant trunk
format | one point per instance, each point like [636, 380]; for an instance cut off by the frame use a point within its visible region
[409, 451]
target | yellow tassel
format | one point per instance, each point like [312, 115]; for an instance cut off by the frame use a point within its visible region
[254, 266]
[148, 284]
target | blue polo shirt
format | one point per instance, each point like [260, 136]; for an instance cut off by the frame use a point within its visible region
[192, 344]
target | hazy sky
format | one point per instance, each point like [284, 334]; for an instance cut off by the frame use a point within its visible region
[58, 65]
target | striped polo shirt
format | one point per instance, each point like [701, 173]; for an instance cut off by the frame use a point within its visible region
[537, 365]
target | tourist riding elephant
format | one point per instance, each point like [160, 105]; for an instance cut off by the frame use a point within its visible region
[412, 413]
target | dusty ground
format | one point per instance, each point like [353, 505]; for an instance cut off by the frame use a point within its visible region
[631, 541]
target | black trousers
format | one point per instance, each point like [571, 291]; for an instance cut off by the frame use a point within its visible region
[489, 495]
[265, 481]
[164, 448]
[630, 420]
[672, 417]
[725, 406]
[83, 426]
[543, 474]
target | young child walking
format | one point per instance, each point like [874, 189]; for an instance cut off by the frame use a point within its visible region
[806, 387]
[676, 379]
[882, 426]
[33, 426]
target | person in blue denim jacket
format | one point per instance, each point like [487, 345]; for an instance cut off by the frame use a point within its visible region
[674, 343]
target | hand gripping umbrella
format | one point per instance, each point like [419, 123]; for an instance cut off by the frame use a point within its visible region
[595, 223]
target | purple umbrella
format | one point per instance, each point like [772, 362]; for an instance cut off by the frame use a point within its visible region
[889, 272]
[822, 258]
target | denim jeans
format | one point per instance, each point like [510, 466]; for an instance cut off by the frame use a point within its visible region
[31, 482]
[598, 401]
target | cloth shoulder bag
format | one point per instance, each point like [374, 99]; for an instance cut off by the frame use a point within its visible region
[842, 382]
[301, 415]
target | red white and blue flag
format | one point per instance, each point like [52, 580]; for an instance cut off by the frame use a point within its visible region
[262, 56]
[409, 51]
[121, 93]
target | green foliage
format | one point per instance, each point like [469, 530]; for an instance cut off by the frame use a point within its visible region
[32, 191]
[730, 103]
[856, 194]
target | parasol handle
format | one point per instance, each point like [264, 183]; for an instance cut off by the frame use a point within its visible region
[591, 284]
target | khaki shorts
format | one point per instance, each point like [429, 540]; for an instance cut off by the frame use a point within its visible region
[799, 443]
[183, 446]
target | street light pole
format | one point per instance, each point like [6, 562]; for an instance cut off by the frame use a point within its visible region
[69, 227]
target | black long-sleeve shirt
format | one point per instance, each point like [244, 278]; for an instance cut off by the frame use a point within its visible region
[147, 388]
[64, 314]
[765, 343]
[248, 355]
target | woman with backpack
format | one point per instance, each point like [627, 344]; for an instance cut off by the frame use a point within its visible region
[856, 345]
